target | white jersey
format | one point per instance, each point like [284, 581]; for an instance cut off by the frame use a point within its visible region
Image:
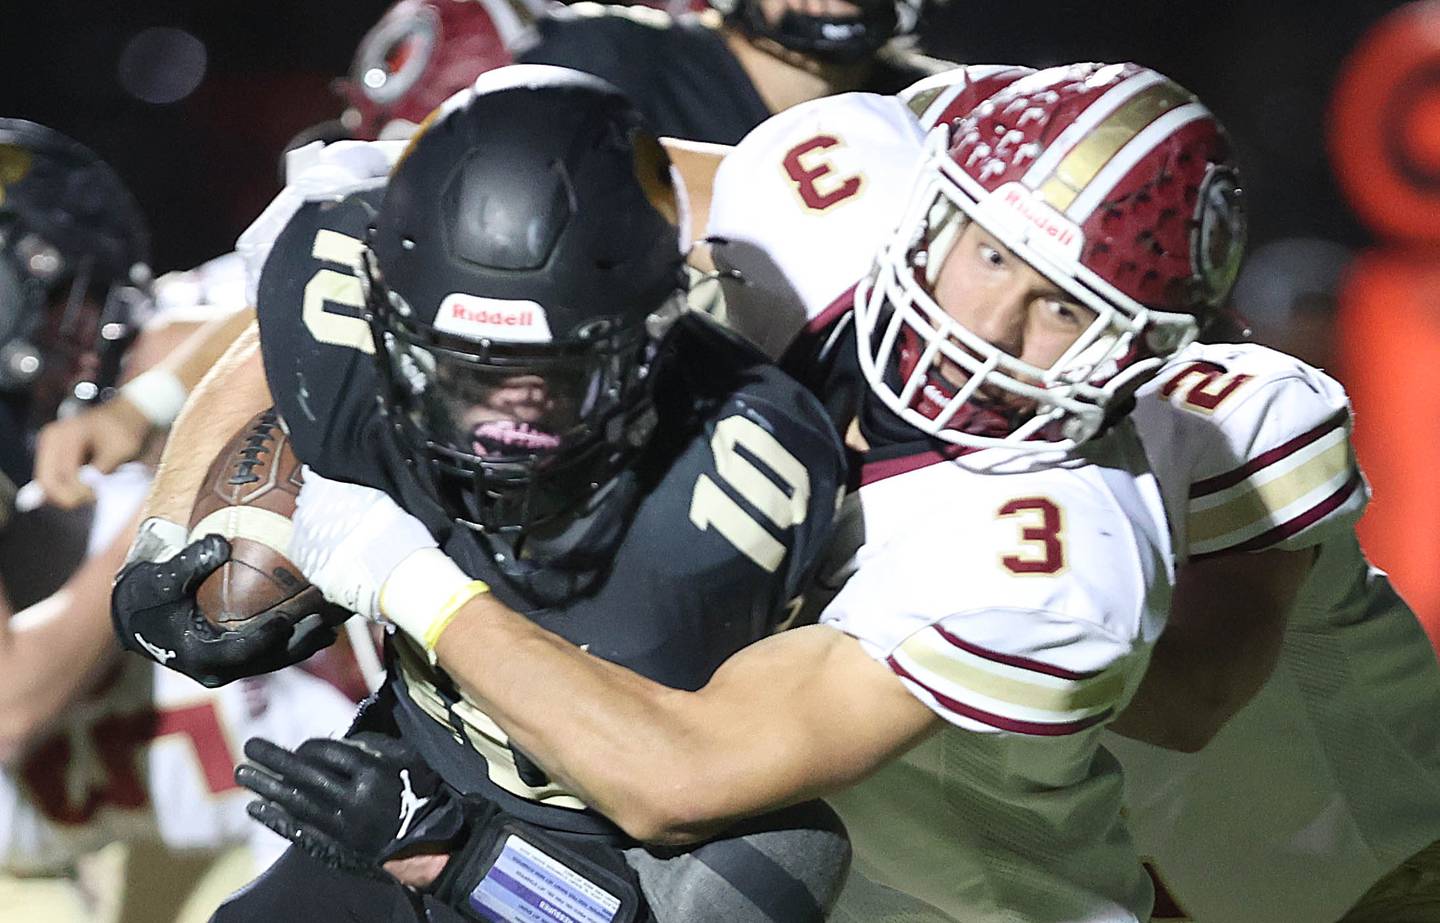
[212, 289]
[1330, 776]
[150, 754]
[1020, 604]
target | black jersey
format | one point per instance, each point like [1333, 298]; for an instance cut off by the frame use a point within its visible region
[678, 70]
[720, 519]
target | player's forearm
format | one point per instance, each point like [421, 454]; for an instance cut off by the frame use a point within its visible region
[793, 717]
[232, 392]
[70, 627]
[617, 740]
[199, 352]
[1226, 626]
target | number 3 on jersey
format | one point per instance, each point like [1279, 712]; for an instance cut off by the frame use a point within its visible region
[713, 507]
[1041, 530]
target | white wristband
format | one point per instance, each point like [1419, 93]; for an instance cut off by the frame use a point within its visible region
[158, 394]
[156, 540]
[424, 592]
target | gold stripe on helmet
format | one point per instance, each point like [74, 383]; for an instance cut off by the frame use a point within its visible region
[14, 164]
[1080, 166]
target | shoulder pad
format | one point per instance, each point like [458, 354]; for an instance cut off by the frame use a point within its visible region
[802, 204]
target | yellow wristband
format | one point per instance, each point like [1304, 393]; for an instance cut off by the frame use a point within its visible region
[447, 612]
[423, 593]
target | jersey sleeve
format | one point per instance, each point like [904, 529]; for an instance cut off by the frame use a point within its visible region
[1253, 449]
[801, 206]
[986, 667]
[315, 343]
[1050, 644]
[991, 668]
[1030, 672]
[315, 173]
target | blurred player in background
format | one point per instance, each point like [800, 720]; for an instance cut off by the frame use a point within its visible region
[713, 76]
[1289, 659]
[95, 750]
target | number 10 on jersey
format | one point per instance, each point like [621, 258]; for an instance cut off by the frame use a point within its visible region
[713, 507]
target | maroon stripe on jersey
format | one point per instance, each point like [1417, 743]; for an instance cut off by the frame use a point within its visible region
[1293, 526]
[1011, 660]
[1033, 728]
[834, 309]
[1265, 459]
[880, 470]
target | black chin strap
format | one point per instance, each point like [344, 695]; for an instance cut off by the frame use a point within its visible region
[831, 39]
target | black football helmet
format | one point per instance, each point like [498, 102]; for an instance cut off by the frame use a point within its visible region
[836, 39]
[74, 249]
[517, 272]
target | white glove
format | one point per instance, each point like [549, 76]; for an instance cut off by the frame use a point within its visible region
[318, 172]
[367, 554]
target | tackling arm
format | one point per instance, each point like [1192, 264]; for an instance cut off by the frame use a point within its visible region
[796, 716]
[1219, 647]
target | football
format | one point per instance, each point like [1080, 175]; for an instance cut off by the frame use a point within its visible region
[248, 497]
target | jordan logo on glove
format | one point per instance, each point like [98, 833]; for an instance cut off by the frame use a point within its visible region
[159, 653]
[409, 804]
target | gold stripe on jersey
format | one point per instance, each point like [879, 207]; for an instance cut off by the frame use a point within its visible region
[1044, 696]
[1083, 162]
[481, 733]
[1267, 496]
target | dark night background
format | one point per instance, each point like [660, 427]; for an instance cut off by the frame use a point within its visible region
[203, 166]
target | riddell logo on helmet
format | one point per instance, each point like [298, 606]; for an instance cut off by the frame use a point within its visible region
[478, 318]
[1043, 226]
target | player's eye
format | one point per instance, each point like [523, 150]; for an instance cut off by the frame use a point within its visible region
[990, 256]
[1067, 313]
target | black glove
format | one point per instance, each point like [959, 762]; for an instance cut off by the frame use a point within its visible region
[154, 612]
[352, 803]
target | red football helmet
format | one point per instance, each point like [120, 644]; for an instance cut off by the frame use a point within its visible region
[423, 51]
[1114, 183]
